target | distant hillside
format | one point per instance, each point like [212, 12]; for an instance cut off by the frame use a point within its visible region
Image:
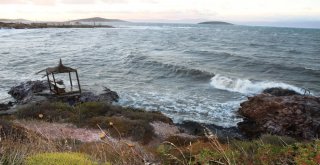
[97, 19]
[14, 20]
[216, 23]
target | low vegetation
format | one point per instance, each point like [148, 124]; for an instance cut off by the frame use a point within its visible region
[67, 158]
[266, 150]
[21, 146]
[119, 121]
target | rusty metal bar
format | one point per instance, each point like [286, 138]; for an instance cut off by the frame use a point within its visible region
[70, 79]
[49, 81]
[54, 80]
[78, 81]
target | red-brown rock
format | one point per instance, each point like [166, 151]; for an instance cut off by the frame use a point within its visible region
[294, 115]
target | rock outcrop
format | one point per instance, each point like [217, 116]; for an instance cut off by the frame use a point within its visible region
[281, 112]
[35, 91]
[25, 91]
[107, 96]
[280, 92]
[5, 106]
[200, 129]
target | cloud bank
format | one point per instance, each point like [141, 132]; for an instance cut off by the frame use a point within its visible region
[229, 10]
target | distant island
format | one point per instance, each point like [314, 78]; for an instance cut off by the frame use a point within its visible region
[215, 23]
[97, 19]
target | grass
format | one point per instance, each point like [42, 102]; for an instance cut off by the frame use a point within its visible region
[266, 150]
[35, 149]
[62, 158]
[19, 146]
[129, 122]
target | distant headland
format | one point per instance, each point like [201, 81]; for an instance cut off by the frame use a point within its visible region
[97, 19]
[215, 23]
[80, 23]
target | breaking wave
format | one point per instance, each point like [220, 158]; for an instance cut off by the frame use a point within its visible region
[246, 86]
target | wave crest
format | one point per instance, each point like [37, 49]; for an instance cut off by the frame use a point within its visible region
[169, 70]
[246, 86]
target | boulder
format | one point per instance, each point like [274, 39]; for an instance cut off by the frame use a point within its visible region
[280, 92]
[25, 91]
[200, 129]
[283, 114]
[33, 91]
[108, 96]
[6, 106]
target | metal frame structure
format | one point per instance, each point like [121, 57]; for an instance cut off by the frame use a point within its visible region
[58, 70]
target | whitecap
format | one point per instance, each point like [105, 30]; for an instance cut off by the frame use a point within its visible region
[246, 86]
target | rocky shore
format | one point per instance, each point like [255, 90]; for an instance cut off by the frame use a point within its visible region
[276, 111]
[281, 112]
[89, 123]
[36, 92]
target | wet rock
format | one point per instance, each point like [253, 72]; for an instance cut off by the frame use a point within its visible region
[33, 91]
[5, 106]
[199, 129]
[225, 133]
[282, 114]
[192, 128]
[108, 96]
[25, 91]
[280, 92]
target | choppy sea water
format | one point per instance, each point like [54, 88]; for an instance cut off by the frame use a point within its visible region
[188, 72]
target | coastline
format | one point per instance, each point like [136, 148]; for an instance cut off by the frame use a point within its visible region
[91, 123]
[46, 25]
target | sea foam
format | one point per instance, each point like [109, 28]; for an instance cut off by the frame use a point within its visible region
[246, 86]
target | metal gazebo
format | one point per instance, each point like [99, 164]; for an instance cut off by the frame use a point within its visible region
[57, 87]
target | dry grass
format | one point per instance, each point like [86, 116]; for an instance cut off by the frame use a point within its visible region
[15, 149]
[130, 122]
[267, 150]
[115, 124]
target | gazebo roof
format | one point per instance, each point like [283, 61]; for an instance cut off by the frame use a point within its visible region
[58, 69]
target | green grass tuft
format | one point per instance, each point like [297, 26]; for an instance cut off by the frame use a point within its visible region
[67, 158]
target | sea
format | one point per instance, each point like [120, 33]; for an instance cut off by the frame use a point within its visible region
[187, 71]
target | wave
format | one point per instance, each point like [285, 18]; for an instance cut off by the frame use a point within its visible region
[170, 70]
[246, 86]
[182, 71]
[293, 51]
[258, 63]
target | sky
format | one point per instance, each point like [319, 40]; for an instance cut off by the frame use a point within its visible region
[188, 11]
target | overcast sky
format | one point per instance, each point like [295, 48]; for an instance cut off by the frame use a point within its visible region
[164, 10]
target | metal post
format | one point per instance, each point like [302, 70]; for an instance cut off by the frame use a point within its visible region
[49, 81]
[54, 80]
[78, 81]
[70, 79]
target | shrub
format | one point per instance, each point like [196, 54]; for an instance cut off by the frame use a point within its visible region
[59, 159]
[277, 140]
[62, 112]
[183, 140]
[52, 112]
[138, 130]
[10, 131]
[307, 154]
[94, 109]
[14, 148]
[115, 153]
